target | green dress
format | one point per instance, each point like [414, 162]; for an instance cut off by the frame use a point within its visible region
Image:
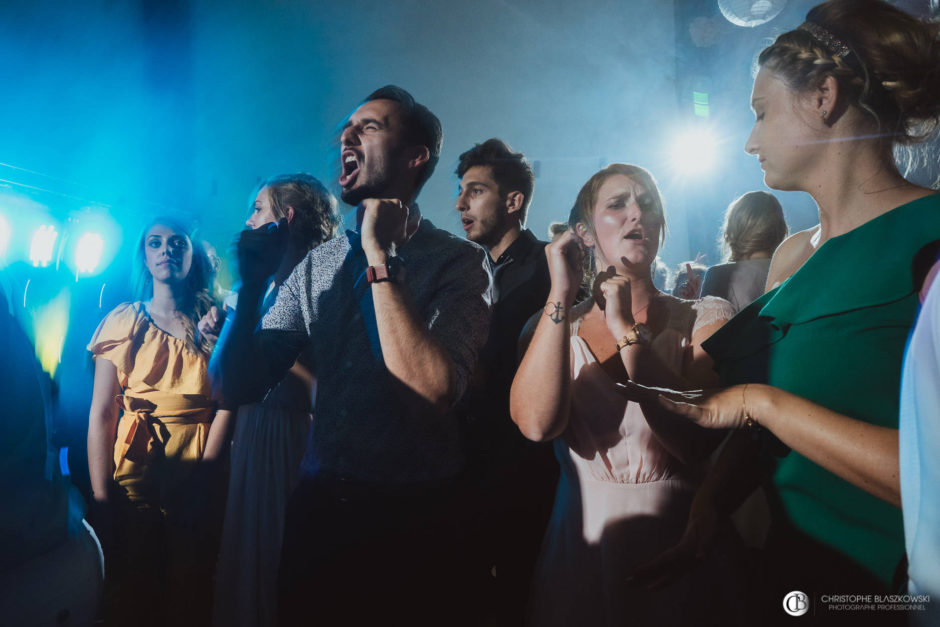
[834, 333]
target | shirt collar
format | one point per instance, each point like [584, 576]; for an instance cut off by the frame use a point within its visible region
[520, 247]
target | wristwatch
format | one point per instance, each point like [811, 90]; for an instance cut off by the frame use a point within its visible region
[639, 334]
[392, 271]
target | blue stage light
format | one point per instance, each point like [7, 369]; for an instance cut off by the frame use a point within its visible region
[88, 252]
[43, 245]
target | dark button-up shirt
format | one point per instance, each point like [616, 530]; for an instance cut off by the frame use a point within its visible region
[521, 286]
[363, 430]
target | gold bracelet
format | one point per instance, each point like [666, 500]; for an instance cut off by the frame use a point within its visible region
[749, 423]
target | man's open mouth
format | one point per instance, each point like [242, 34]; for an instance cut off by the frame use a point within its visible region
[350, 163]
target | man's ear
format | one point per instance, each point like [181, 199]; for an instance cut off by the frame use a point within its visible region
[420, 156]
[585, 234]
[290, 214]
[514, 202]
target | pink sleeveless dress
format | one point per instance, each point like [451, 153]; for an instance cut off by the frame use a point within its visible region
[622, 498]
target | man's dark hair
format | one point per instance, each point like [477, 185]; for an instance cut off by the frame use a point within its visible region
[422, 127]
[511, 170]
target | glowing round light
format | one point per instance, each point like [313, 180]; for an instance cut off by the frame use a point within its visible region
[88, 252]
[694, 152]
[43, 245]
[750, 13]
[4, 236]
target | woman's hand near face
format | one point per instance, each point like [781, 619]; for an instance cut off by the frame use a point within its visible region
[260, 252]
[210, 324]
[565, 256]
[612, 293]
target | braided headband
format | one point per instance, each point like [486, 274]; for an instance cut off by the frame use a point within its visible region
[840, 49]
[827, 39]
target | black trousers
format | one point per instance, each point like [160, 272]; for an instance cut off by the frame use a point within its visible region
[357, 554]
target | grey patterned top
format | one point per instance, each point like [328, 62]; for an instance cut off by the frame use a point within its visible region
[364, 427]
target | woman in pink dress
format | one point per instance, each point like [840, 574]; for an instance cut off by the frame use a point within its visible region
[628, 472]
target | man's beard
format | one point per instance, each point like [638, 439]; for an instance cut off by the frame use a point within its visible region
[356, 195]
[493, 233]
[384, 172]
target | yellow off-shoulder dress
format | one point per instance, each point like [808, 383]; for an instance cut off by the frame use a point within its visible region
[166, 409]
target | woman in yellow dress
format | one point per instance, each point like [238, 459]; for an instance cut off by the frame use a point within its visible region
[148, 429]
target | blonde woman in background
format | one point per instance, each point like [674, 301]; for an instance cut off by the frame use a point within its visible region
[269, 437]
[753, 228]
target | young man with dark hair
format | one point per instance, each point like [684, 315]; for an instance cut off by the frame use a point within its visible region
[392, 316]
[514, 478]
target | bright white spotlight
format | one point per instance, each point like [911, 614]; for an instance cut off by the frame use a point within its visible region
[694, 152]
[43, 245]
[4, 236]
[88, 252]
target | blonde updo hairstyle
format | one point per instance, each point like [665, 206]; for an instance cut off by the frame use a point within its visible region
[892, 72]
[753, 223]
[583, 210]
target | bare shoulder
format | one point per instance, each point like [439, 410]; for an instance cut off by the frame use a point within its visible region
[790, 256]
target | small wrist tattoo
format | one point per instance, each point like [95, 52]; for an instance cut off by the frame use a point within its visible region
[556, 312]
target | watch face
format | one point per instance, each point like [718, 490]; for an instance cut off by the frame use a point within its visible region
[643, 332]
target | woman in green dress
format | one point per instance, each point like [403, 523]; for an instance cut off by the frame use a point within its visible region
[817, 359]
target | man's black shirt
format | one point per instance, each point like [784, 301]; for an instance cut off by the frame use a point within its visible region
[521, 285]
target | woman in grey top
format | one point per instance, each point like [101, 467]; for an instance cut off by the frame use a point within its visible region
[753, 228]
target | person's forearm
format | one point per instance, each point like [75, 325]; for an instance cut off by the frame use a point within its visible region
[410, 352]
[685, 440]
[218, 438]
[237, 366]
[863, 454]
[101, 435]
[540, 398]
[644, 367]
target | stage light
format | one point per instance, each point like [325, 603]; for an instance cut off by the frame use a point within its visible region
[43, 245]
[694, 152]
[90, 242]
[4, 236]
[88, 252]
[50, 324]
[751, 13]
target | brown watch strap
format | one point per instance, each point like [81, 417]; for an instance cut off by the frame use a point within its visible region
[393, 272]
[377, 274]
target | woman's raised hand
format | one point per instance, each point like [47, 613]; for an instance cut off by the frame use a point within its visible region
[260, 252]
[692, 288]
[211, 323]
[612, 294]
[565, 256]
